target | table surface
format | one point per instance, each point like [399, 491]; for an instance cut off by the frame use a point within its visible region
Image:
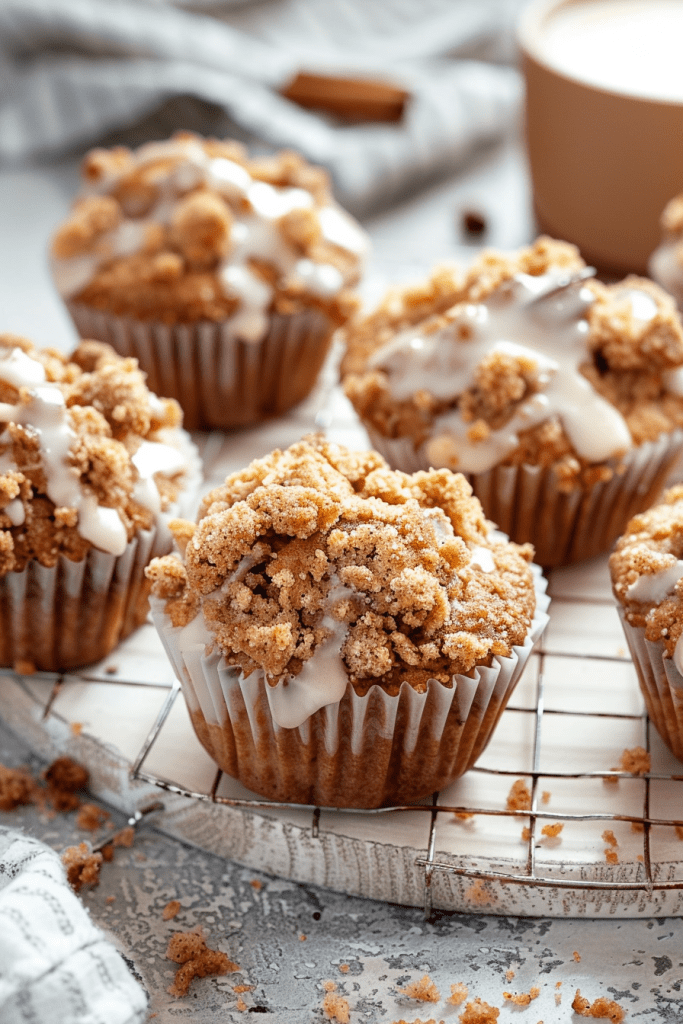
[259, 920]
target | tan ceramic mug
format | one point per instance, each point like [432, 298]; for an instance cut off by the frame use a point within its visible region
[604, 122]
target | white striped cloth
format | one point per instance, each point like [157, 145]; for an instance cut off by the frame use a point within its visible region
[56, 967]
[71, 70]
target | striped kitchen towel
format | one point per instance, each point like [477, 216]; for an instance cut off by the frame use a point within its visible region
[55, 965]
[72, 70]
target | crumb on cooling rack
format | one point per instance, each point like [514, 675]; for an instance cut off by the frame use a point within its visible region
[197, 961]
[335, 1006]
[637, 826]
[480, 893]
[125, 837]
[459, 993]
[522, 998]
[65, 778]
[611, 856]
[280, 535]
[424, 990]
[636, 760]
[243, 988]
[16, 788]
[418, 1020]
[600, 1008]
[519, 797]
[462, 816]
[609, 837]
[545, 796]
[509, 974]
[90, 817]
[240, 1004]
[577, 958]
[171, 910]
[479, 1012]
[82, 866]
[552, 831]
[526, 834]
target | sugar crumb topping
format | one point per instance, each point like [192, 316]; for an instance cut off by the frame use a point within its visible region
[317, 544]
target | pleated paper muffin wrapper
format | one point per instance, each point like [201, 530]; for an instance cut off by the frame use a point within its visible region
[219, 380]
[660, 682]
[72, 614]
[360, 752]
[526, 502]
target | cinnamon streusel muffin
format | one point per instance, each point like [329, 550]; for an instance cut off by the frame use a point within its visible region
[560, 399]
[91, 466]
[666, 262]
[647, 579]
[345, 635]
[224, 276]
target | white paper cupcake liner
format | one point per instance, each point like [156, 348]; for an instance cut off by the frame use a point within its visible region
[660, 682]
[527, 504]
[219, 380]
[72, 614]
[360, 752]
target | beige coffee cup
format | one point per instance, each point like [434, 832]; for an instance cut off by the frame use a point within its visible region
[605, 150]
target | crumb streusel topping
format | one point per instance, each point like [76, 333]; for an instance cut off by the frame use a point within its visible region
[321, 566]
[191, 229]
[503, 365]
[88, 455]
[647, 573]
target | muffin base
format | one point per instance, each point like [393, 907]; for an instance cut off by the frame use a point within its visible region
[360, 752]
[660, 682]
[525, 502]
[219, 380]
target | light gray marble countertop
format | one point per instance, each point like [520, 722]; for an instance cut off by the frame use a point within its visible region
[256, 919]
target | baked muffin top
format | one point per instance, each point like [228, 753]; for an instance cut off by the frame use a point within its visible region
[647, 573]
[666, 262]
[88, 455]
[192, 229]
[520, 359]
[322, 565]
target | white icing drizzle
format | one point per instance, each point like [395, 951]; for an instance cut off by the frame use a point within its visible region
[551, 334]
[652, 588]
[255, 234]
[481, 558]
[46, 414]
[15, 512]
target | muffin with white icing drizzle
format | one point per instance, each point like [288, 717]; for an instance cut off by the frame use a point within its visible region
[666, 262]
[92, 466]
[225, 276]
[647, 579]
[560, 399]
[345, 635]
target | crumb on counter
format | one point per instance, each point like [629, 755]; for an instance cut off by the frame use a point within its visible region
[125, 837]
[424, 990]
[256, 884]
[16, 788]
[577, 958]
[600, 1008]
[65, 778]
[171, 910]
[459, 993]
[90, 817]
[611, 856]
[522, 998]
[82, 866]
[509, 974]
[479, 1012]
[197, 961]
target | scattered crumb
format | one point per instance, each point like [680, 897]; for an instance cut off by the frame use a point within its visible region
[602, 1007]
[302, 938]
[111, 670]
[609, 837]
[171, 910]
[91, 817]
[424, 990]
[552, 831]
[243, 988]
[108, 852]
[509, 974]
[478, 893]
[526, 834]
[519, 797]
[558, 984]
[473, 222]
[558, 998]
[637, 826]
[64, 779]
[577, 957]
[255, 884]
[344, 968]
[611, 857]
[241, 1005]
[125, 837]
[640, 858]
[479, 1012]
[110, 899]
[545, 796]
[336, 1007]
[82, 866]
[459, 993]
[522, 998]
[77, 728]
[418, 1020]
[462, 815]
[16, 788]
[636, 760]
[329, 986]
[190, 950]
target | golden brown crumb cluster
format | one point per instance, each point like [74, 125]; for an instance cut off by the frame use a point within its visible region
[198, 961]
[110, 412]
[173, 275]
[318, 531]
[626, 361]
[82, 866]
[652, 544]
[606, 1009]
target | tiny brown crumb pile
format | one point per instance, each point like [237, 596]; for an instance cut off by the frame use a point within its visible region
[335, 1006]
[603, 1008]
[424, 990]
[479, 1012]
[459, 993]
[198, 961]
[90, 817]
[65, 778]
[16, 788]
[171, 910]
[276, 542]
[522, 998]
[82, 866]
[519, 797]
